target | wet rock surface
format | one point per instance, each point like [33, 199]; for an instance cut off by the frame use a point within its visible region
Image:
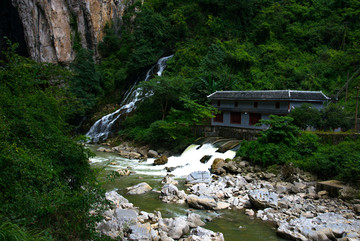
[124, 221]
[140, 188]
[198, 177]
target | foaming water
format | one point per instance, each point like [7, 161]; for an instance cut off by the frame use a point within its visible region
[181, 166]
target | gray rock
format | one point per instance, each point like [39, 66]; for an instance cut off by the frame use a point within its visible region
[175, 227]
[201, 202]
[103, 149]
[262, 198]
[115, 197]
[249, 212]
[326, 226]
[357, 208]
[140, 188]
[152, 154]
[170, 193]
[194, 220]
[281, 189]
[202, 234]
[222, 205]
[230, 167]
[198, 177]
[298, 187]
[168, 179]
[125, 215]
[141, 232]
[244, 164]
[134, 155]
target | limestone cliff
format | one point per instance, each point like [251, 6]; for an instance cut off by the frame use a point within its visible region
[50, 26]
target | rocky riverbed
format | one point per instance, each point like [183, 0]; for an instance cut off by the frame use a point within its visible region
[127, 222]
[295, 207]
[286, 197]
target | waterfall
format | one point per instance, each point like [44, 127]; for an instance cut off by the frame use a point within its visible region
[103, 127]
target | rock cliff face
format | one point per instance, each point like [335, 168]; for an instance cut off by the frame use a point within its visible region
[51, 27]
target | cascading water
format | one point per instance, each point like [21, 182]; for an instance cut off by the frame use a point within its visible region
[103, 127]
[182, 165]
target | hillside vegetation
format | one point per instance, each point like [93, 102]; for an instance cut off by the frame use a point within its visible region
[229, 45]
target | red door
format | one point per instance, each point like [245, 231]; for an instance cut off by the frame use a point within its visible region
[219, 118]
[254, 118]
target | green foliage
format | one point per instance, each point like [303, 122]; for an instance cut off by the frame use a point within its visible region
[277, 145]
[305, 116]
[10, 231]
[45, 179]
[305, 45]
[331, 117]
[85, 84]
[282, 143]
[341, 161]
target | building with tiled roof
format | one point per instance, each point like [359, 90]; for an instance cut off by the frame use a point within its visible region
[245, 109]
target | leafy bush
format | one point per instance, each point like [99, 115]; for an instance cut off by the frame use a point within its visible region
[341, 161]
[281, 143]
[331, 117]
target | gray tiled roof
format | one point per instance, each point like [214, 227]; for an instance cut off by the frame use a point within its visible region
[269, 95]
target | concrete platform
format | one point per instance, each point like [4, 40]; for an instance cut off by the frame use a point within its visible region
[333, 187]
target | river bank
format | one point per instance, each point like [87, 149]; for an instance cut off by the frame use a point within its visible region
[293, 206]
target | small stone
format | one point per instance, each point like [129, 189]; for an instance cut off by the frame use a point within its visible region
[249, 212]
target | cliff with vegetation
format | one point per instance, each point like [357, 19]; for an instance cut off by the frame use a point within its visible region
[53, 29]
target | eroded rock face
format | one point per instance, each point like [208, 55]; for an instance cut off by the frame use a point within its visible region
[50, 26]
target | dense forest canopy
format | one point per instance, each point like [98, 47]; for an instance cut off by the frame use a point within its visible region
[233, 45]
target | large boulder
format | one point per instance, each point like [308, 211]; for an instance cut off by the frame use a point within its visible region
[201, 202]
[161, 160]
[326, 226]
[231, 167]
[263, 198]
[127, 216]
[194, 220]
[115, 197]
[152, 154]
[170, 193]
[103, 149]
[202, 234]
[140, 231]
[198, 177]
[174, 227]
[217, 163]
[134, 155]
[140, 188]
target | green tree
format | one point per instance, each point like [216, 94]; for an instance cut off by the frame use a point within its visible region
[85, 83]
[305, 116]
[45, 179]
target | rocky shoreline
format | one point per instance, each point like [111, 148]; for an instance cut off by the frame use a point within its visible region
[125, 221]
[297, 209]
[290, 199]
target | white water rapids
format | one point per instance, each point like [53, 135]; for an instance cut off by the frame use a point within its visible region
[186, 163]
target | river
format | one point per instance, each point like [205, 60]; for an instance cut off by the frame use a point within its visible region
[234, 224]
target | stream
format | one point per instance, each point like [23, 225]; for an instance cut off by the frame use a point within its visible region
[234, 224]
